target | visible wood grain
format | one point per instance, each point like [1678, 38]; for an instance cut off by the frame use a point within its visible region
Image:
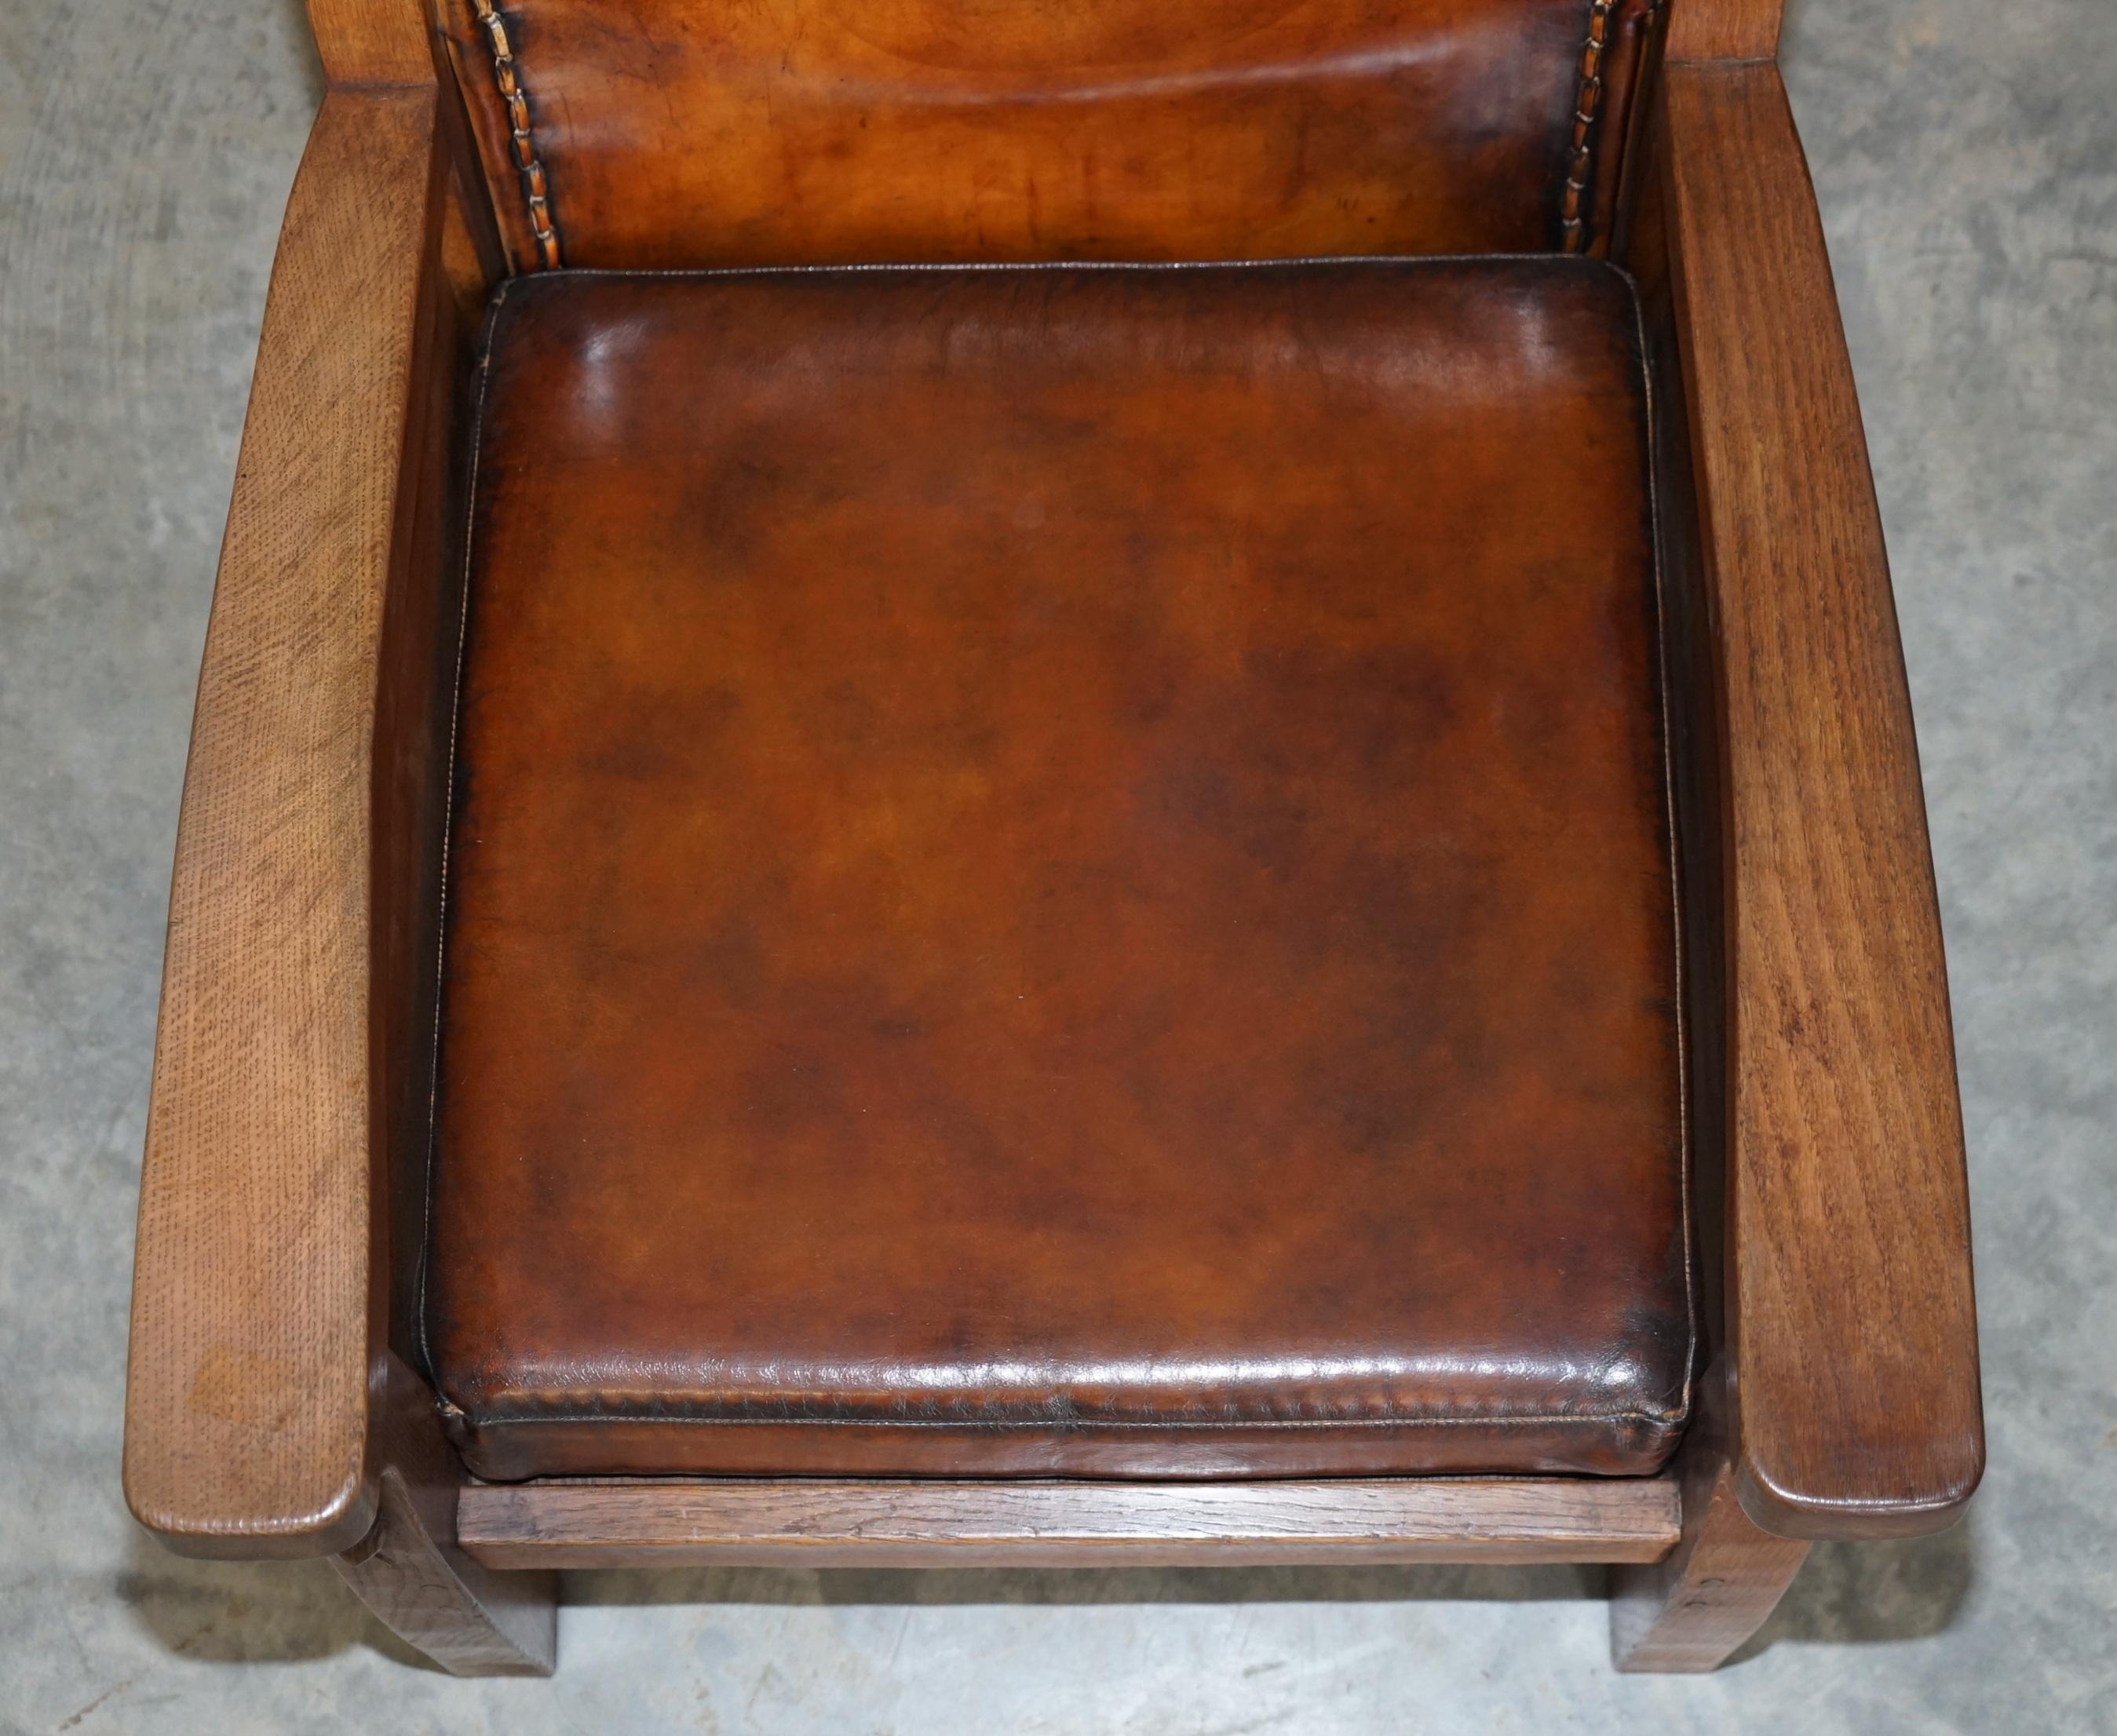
[372, 41]
[473, 254]
[1850, 1315]
[818, 1523]
[1691, 1610]
[1633, 57]
[1724, 30]
[408, 1571]
[257, 1300]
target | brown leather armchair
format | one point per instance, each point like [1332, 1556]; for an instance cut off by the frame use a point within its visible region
[994, 782]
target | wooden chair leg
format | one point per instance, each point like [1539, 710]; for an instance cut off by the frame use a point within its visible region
[1687, 1612]
[469, 1619]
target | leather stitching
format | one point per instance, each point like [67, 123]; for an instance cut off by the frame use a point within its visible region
[448, 837]
[536, 191]
[1683, 1111]
[1075, 1423]
[1587, 106]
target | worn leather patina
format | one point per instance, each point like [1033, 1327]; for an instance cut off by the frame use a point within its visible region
[666, 133]
[1063, 872]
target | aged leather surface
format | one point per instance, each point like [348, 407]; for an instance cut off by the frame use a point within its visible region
[832, 132]
[1062, 871]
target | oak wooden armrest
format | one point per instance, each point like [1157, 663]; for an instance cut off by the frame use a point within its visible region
[1850, 1327]
[258, 1312]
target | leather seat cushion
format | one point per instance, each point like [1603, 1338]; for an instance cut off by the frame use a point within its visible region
[1062, 871]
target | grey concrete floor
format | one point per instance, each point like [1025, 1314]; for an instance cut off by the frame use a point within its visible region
[1966, 157]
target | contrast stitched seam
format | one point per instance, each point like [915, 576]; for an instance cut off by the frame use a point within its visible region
[1586, 109]
[1674, 866]
[942, 268]
[1658, 1419]
[448, 835]
[515, 97]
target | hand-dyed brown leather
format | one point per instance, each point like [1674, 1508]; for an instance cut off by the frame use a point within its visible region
[682, 133]
[1062, 871]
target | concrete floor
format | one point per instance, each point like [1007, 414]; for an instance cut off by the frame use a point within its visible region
[1967, 157]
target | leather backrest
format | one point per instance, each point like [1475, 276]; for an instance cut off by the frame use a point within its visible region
[686, 133]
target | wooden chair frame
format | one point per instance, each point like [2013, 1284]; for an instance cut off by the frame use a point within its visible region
[268, 1415]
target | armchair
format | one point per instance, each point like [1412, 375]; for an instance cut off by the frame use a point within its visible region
[978, 784]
